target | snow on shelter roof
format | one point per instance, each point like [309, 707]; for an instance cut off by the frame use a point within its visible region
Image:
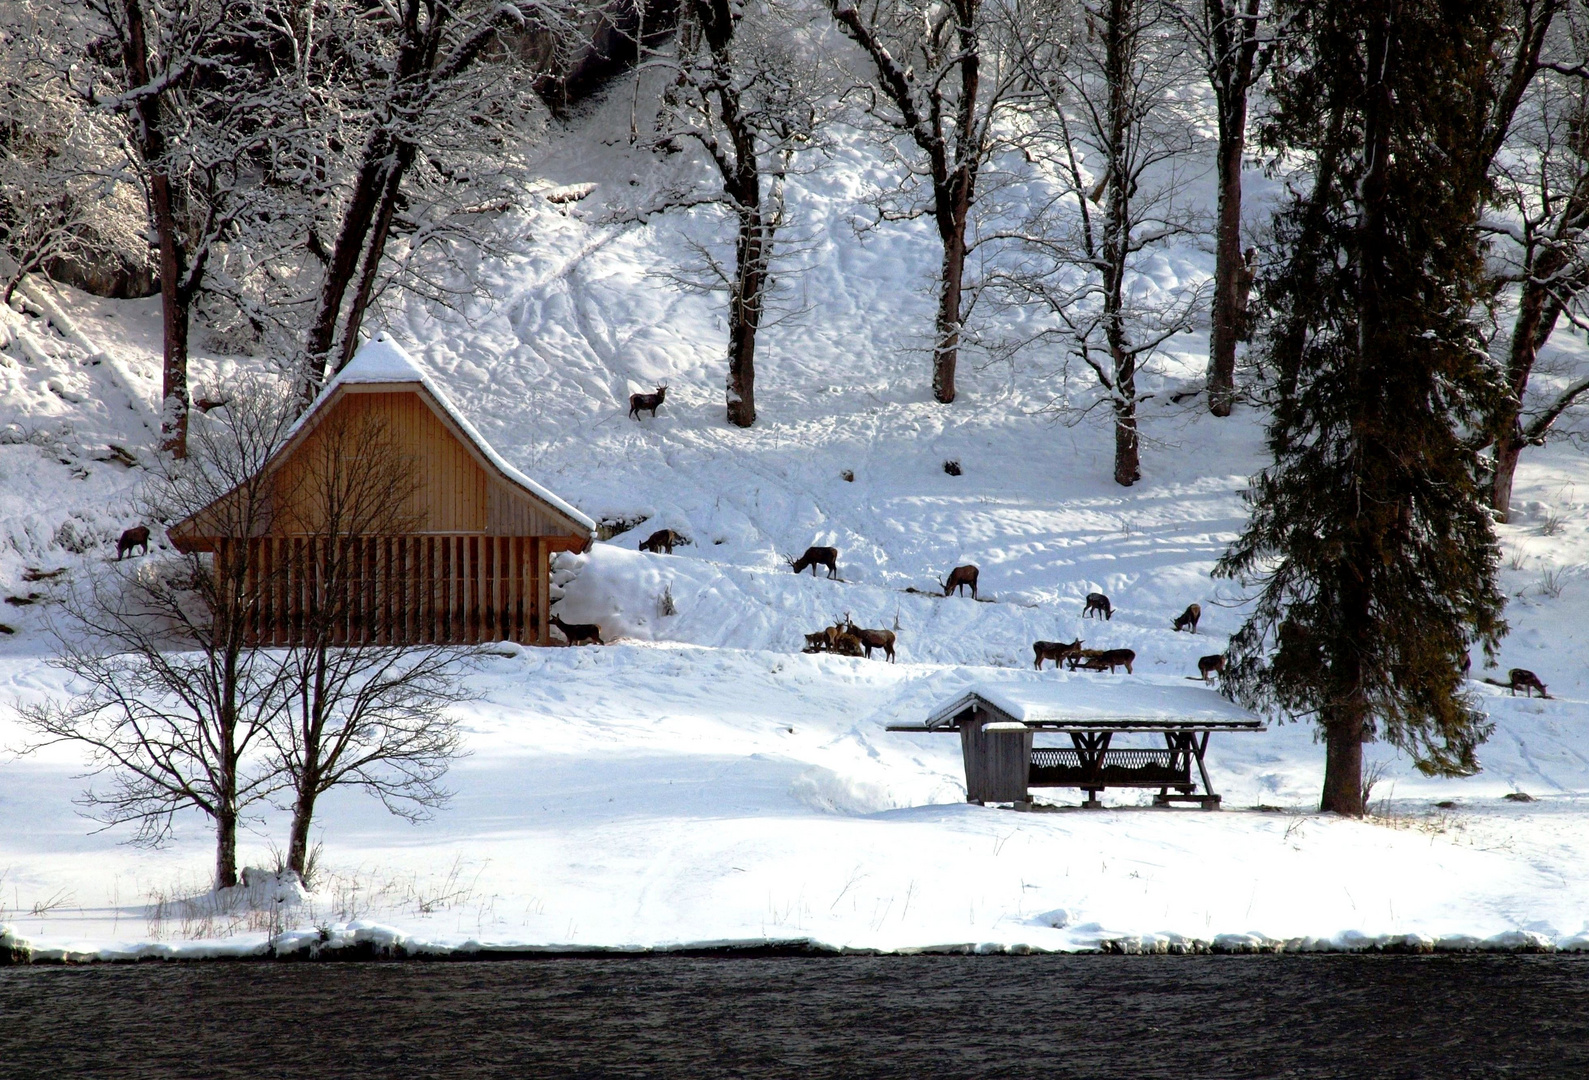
[382, 360]
[1074, 699]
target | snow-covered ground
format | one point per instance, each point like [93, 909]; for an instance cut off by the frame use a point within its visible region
[701, 780]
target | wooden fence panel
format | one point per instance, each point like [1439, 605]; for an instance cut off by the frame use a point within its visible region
[394, 590]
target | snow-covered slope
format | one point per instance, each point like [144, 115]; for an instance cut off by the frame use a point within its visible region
[701, 780]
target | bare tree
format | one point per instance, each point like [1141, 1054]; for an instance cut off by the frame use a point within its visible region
[1229, 35]
[1545, 182]
[1121, 132]
[360, 707]
[745, 93]
[935, 83]
[175, 703]
[401, 78]
[180, 76]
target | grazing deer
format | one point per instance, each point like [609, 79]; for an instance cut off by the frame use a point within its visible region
[848, 645]
[663, 540]
[817, 642]
[1521, 679]
[647, 401]
[1111, 659]
[1188, 618]
[815, 557]
[1057, 651]
[1097, 602]
[871, 639]
[1210, 665]
[135, 537]
[579, 633]
[959, 578]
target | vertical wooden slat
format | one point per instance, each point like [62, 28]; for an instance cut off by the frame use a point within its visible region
[543, 629]
[429, 548]
[372, 593]
[471, 590]
[499, 572]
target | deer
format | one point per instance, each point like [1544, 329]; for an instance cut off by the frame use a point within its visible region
[959, 578]
[815, 557]
[647, 401]
[1521, 679]
[1056, 651]
[847, 645]
[1188, 618]
[1111, 659]
[1209, 665]
[134, 537]
[1097, 602]
[579, 633]
[663, 540]
[871, 639]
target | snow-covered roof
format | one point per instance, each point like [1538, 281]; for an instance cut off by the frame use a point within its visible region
[383, 361]
[1085, 699]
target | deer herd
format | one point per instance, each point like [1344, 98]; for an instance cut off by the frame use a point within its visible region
[845, 638]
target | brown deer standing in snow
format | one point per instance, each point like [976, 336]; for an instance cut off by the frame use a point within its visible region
[647, 401]
[1521, 679]
[961, 577]
[1209, 665]
[663, 540]
[135, 537]
[1057, 651]
[871, 639]
[815, 557]
[1188, 618]
[1098, 603]
[579, 633]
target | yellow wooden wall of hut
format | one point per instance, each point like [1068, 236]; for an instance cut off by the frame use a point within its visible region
[470, 565]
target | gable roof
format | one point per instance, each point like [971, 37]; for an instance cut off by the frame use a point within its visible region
[1077, 701]
[383, 362]
[382, 365]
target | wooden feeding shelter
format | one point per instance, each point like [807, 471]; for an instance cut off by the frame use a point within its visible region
[997, 722]
[470, 563]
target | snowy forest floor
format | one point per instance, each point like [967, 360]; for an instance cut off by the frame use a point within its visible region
[701, 781]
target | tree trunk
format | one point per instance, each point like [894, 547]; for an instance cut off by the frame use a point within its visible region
[1233, 30]
[1229, 269]
[744, 318]
[175, 297]
[374, 252]
[225, 847]
[1537, 312]
[1343, 767]
[946, 348]
[344, 261]
[175, 311]
[298, 836]
[1508, 449]
[1128, 441]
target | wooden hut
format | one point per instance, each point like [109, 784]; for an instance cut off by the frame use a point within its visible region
[471, 561]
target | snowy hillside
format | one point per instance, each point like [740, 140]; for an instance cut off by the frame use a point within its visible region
[701, 780]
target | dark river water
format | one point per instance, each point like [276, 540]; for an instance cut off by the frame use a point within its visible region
[1180, 1018]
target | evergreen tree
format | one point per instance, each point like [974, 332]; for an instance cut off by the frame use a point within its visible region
[1369, 539]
